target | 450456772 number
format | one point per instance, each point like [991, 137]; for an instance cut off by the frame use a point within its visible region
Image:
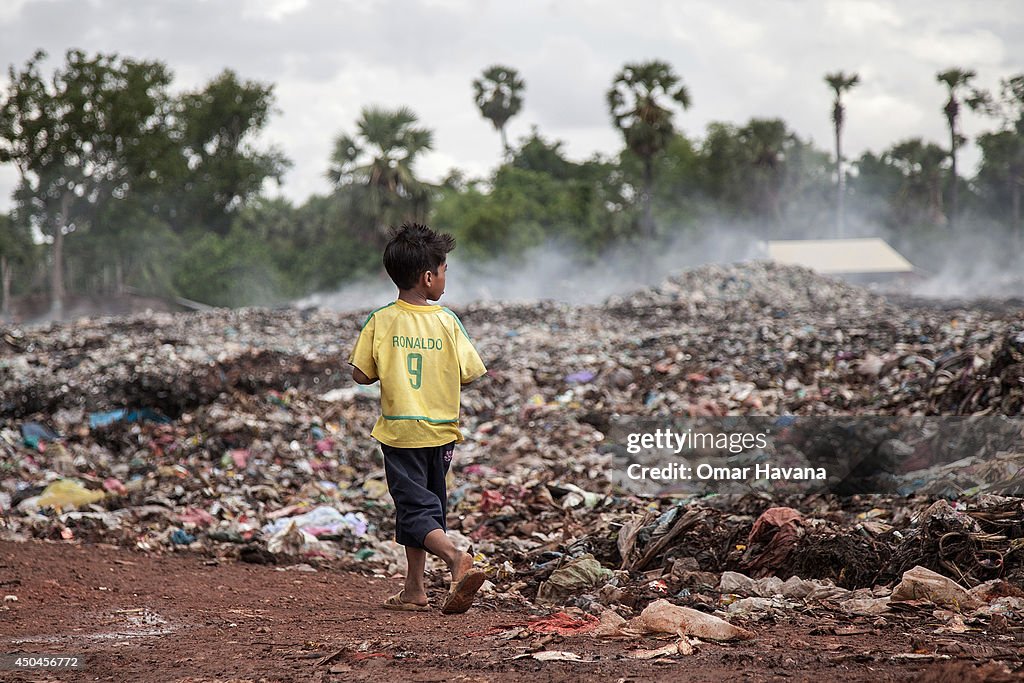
[14, 662]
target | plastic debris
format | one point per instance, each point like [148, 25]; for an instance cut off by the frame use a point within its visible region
[109, 417]
[292, 541]
[181, 537]
[661, 616]
[793, 587]
[34, 433]
[771, 541]
[681, 647]
[263, 427]
[564, 624]
[553, 656]
[580, 574]
[321, 521]
[68, 493]
[924, 584]
[114, 486]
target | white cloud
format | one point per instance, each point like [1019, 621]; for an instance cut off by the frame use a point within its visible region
[945, 48]
[274, 9]
[574, 94]
[9, 9]
[862, 16]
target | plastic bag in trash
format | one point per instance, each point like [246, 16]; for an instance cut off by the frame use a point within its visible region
[661, 616]
[321, 521]
[68, 493]
[583, 573]
[920, 583]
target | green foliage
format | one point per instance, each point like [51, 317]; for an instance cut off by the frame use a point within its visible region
[18, 255]
[907, 181]
[1000, 179]
[86, 137]
[840, 83]
[540, 198]
[128, 249]
[765, 174]
[498, 95]
[228, 270]
[80, 141]
[1001, 174]
[958, 85]
[222, 170]
[378, 164]
[537, 154]
[106, 154]
[312, 248]
[16, 244]
[676, 201]
[637, 104]
[958, 81]
[133, 188]
[638, 101]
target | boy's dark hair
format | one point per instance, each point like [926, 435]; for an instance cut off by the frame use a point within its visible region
[413, 250]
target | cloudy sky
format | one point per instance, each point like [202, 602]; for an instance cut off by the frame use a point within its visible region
[739, 58]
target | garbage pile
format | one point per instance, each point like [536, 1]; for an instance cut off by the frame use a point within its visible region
[239, 434]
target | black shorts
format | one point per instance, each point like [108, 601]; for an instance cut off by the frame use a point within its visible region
[416, 482]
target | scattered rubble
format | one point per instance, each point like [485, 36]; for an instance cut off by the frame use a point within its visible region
[239, 434]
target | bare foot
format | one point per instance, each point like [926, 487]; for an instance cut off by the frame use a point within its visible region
[413, 597]
[464, 564]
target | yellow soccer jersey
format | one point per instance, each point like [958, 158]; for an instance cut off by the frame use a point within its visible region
[422, 356]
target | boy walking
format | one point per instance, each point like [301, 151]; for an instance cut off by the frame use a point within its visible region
[422, 356]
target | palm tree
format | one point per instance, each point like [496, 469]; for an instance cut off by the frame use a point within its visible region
[635, 103]
[499, 95]
[380, 161]
[840, 83]
[956, 80]
[766, 143]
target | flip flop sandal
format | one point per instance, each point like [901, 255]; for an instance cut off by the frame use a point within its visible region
[395, 602]
[460, 598]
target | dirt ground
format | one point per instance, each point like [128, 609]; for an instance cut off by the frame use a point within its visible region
[188, 618]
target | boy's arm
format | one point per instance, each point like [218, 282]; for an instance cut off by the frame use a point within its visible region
[364, 365]
[360, 377]
[470, 365]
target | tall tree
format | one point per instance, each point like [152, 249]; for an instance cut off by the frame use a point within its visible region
[957, 82]
[379, 160]
[78, 140]
[840, 82]
[767, 141]
[1002, 165]
[639, 102]
[217, 125]
[499, 95]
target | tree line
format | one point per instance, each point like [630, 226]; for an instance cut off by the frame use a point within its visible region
[126, 187]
